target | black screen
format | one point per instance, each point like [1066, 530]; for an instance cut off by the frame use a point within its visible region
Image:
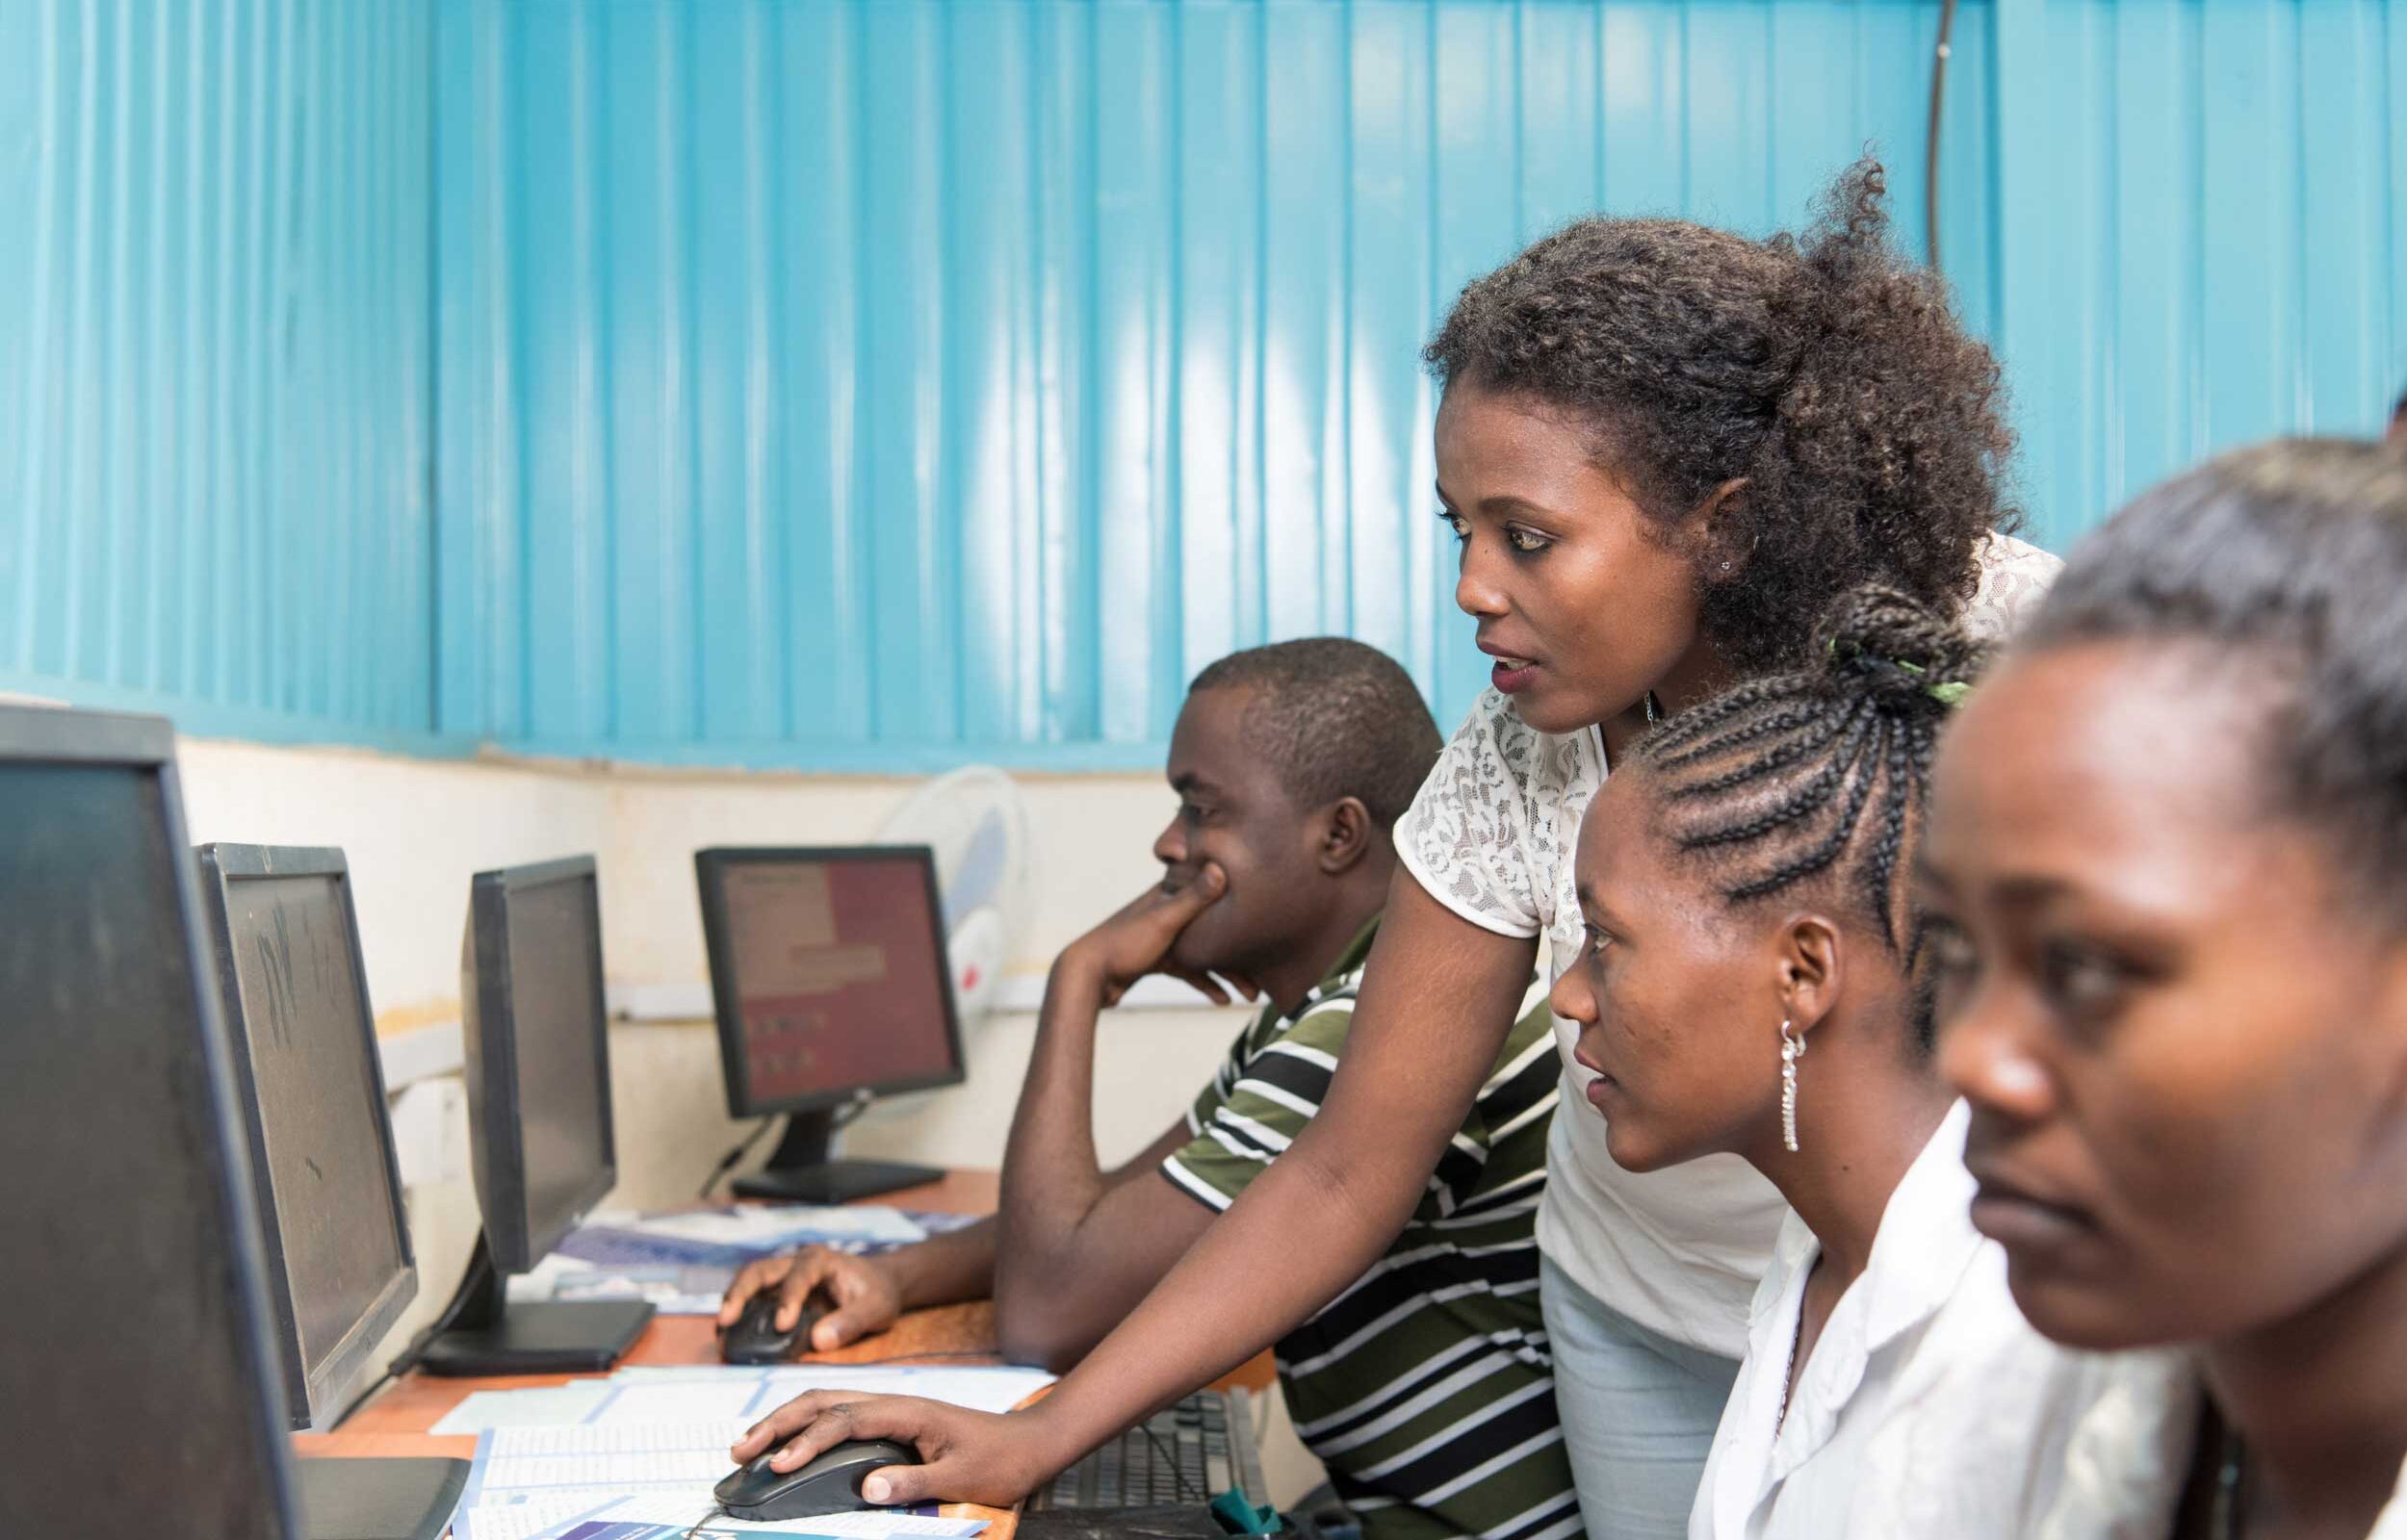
[132, 1397]
[320, 1108]
[563, 1071]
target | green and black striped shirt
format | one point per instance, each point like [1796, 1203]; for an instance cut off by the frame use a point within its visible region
[1425, 1388]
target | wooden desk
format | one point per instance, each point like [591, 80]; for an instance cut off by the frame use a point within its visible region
[394, 1424]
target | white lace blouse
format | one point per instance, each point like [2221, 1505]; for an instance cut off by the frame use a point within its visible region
[1490, 836]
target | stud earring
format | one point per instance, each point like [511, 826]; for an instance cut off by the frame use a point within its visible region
[1791, 1049]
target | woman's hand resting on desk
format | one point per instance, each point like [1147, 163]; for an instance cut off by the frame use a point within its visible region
[969, 1456]
[863, 1296]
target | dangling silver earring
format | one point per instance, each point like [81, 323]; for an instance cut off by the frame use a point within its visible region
[1791, 1049]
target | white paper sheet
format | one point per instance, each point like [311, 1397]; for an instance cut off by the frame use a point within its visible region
[978, 1387]
[680, 1402]
[865, 1525]
[533, 1480]
[562, 1404]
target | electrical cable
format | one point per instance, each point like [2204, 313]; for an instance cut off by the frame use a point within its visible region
[1930, 163]
[727, 1161]
[408, 1357]
[1186, 1488]
[842, 1119]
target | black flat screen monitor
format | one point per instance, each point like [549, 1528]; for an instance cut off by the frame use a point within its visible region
[310, 1086]
[831, 983]
[340, 1271]
[135, 1291]
[538, 1063]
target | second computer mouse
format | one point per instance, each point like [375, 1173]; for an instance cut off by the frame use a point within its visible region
[755, 1337]
[812, 1489]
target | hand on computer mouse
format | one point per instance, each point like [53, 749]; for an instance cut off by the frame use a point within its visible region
[860, 1295]
[1138, 940]
[968, 1456]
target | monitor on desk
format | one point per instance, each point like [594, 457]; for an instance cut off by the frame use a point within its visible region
[830, 985]
[140, 1389]
[310, 1087]
[538, 1065]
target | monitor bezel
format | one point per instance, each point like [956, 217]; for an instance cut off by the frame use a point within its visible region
[710, 870]
[61, 736]
[496, 1134]
[311, 1390]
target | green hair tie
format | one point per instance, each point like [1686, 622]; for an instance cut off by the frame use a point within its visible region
[1949, 694]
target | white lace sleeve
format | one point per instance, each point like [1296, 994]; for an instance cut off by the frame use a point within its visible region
[1465, 836]
[2014, 576]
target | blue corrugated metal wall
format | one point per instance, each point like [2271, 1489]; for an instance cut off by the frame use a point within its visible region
[859, 384]
[215, 382]
[2203, 232]
[880, 383]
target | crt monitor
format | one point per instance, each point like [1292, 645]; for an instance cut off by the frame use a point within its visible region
[134, 1284]
[538, 1063]
[831, 984]
[310, 1088]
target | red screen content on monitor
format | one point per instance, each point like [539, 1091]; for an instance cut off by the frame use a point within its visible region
[838, 981]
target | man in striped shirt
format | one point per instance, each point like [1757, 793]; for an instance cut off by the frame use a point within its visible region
[1425, 1388]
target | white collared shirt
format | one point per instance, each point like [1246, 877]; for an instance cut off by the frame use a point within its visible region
[2129, 1454]
[1928, 1407]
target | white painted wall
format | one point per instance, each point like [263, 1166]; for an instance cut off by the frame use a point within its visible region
[415, 832]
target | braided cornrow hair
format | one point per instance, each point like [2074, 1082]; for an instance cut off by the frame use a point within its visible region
[1821, 775]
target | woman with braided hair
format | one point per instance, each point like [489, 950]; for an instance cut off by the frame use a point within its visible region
[1745, 885]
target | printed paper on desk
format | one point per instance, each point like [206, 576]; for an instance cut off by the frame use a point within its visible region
[679, 1402]
[870, 1525]
[524, 1520]
[981, 1388]
[570, 1473]
[777, 1224]
[671, 1287]
[546, 1407]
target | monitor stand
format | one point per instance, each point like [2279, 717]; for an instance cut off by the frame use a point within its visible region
[376, 1500]
[489, 1335]
[799, 1170]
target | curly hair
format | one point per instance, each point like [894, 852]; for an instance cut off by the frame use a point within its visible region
[1823, 774]
[2290, 557]
[1828, 374]
[1337, 718]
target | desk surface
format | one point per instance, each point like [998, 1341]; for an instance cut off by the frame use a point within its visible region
[394, 1424]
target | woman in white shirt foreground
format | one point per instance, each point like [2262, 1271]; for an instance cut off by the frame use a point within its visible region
[1753, 983]
[2167, 873]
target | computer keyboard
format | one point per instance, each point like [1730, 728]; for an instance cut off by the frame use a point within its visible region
[1207, 1438]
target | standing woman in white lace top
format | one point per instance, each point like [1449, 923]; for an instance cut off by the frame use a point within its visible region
[1665, 450]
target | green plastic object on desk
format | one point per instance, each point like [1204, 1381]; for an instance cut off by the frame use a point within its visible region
[1238, 1515]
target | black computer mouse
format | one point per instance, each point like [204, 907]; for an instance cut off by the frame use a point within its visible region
[754, 1337]
[812, 1489]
